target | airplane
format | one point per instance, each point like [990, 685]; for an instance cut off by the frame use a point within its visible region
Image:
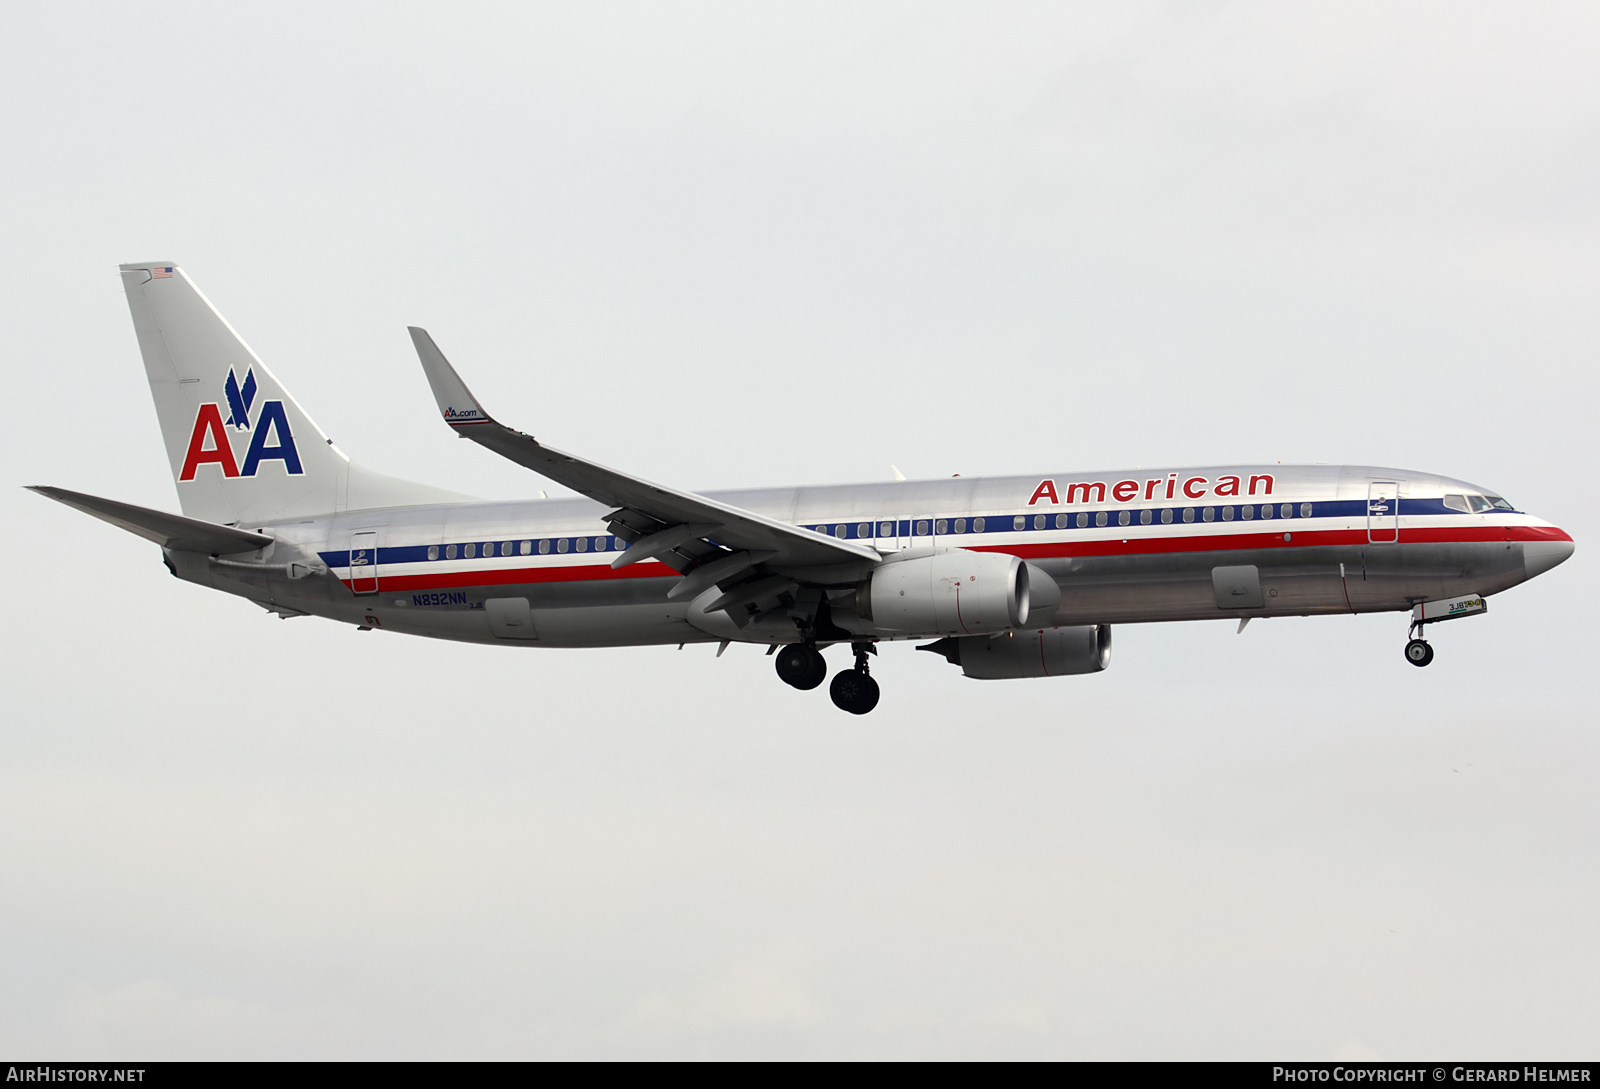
[1009, 577]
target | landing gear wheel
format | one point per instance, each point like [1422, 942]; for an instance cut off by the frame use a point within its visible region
[802, 666]
[854, 691]
[1419, 652]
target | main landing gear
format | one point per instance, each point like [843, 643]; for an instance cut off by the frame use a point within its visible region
[853, 689]
[802, 666]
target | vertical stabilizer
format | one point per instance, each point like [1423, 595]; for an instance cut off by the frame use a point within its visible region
[241, 448]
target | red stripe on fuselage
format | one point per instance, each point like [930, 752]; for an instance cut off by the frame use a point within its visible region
[1297, 538]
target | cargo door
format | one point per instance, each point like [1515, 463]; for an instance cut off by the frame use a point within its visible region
[364, 562]
[510, 618]
[1383, 512]
[1237, 587]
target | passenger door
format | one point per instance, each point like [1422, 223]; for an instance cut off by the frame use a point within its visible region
[1383, 512]
[364, 562]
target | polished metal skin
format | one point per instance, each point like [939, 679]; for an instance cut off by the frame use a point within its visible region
[274, 512]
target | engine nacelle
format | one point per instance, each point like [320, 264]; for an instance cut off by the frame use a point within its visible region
[1047, 652]
[948, 593]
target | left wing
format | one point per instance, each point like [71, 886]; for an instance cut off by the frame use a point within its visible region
[689, 532]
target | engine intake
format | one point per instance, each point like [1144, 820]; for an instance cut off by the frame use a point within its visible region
[1047, 652]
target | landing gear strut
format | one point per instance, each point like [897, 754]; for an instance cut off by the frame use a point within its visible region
[802, 666]
[1418, 650]
[853, 689]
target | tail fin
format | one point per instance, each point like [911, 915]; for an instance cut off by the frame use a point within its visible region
[241, 447]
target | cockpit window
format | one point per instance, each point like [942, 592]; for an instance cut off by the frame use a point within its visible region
[1457, 502]
[1478, 503]
[1499, 503]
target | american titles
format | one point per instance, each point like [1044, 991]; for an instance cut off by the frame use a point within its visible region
[1172, 486]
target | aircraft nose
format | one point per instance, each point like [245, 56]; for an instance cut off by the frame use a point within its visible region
[1540, 556]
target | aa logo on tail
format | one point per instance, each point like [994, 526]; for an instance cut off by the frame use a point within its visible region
[270, 436]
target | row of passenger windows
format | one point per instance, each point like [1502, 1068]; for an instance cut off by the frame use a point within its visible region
[941, 526]
[1080, 520]
[472, 549]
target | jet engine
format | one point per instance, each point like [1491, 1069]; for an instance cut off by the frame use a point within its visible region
[956, 592]
[1047, 652]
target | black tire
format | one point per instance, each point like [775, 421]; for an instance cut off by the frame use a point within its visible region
[1419, 652]
[854, 691]
[818, 674]
[801, 666]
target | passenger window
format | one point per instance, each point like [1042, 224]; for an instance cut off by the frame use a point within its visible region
[942, 526]
[1038, 521]
[1227, 514]
[863, 530]
[450, 552]
[1247, 513]
[961, 525]
[1287, 510]
[1479, 503]
[525, 548]
[583, 544]
[886, 529]
[1188, 514]
[1124, 517]
[977, 525]
[1166, 516]
[505, 549]
[1144, 517]
[1083, 520]
[1019, 522]
[561, 545]
[922, 529]
[433, 552]
[841, 531]
[1305, 510]
[470, 551]
[1099, 517]
[1209, 514]
[544, 548]
[1061, 521]
[1266, 510]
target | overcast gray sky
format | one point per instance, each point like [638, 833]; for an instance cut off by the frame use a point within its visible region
[740, 244]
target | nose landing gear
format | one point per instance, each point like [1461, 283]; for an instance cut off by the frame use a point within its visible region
[1419, 652]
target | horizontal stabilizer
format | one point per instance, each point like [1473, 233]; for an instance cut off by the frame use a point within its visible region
[167, 530]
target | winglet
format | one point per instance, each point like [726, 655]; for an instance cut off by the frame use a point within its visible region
[456, 402]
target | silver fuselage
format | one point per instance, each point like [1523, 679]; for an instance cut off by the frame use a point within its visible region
[1138, 546]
